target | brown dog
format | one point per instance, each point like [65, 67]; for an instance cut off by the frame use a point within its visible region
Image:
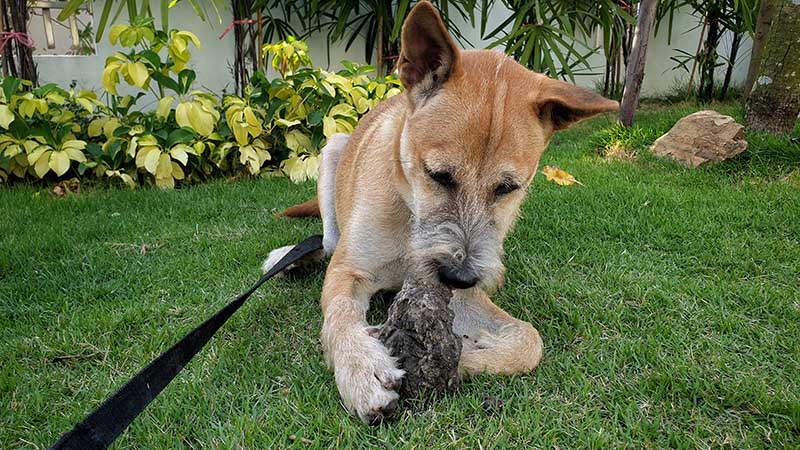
[433, 179]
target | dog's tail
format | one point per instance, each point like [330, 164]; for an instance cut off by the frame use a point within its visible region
[307, 209]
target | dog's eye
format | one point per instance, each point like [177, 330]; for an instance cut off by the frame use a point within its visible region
[505, 188]
[443, 178]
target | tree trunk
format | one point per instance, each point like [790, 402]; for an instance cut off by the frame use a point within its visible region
[689, 87]
[19, 57]
[240, 73]
[379, 64]
[765, 14]
[737, 38]
[709, 59]
[635, 71]
[774, 103]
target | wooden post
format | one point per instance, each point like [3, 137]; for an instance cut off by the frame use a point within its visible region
[634, 74]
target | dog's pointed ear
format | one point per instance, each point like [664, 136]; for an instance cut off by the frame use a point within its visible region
[561, 104]
[428, 55]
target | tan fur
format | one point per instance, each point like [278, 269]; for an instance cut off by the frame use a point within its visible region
[487, 120]
[306, 209]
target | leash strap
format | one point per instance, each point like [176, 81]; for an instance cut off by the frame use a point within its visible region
[100, 428]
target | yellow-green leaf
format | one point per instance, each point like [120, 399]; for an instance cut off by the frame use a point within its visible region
[123, 176]
[75, 154]
[296, 140]
[328, 88]
[202, 121]
[116, 30]
[164, 107]
[59, 162]
[151, 160]
[328, 126]
[342, 109]
[312, 167]
[165, 182]
[182, 114]
[36, 153]
[295, 168]
[74, 143]
[164, 166]
[177, 171]
[95, 127]
[86, 104]
[42, 165]
[138, 73]
[180, 154]
[287, 123]
[6, 116]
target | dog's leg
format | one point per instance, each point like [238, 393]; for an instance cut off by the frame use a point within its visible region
[331, 154]
[326, 189]
[493, 341]
[366, 374]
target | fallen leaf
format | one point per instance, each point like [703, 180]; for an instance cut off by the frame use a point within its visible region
[559, 176]
[71, 186]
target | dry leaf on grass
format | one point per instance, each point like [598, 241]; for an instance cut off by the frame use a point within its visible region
[71, 186]
[559, 176]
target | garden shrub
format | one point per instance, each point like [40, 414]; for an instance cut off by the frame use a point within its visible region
[276, 127]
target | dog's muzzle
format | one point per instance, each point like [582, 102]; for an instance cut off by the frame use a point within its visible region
[460, 247]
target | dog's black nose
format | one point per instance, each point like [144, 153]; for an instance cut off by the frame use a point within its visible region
[456, 279]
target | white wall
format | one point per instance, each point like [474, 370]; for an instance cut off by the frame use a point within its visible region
[214, 61]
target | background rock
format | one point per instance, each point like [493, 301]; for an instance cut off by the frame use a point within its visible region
[700, 138]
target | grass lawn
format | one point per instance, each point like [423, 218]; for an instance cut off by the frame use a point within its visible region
[668, 300]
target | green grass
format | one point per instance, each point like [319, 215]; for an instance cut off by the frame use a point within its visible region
[668, 300]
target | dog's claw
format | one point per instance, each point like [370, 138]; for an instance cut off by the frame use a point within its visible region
[392, 384]
[374, 331]
[377, 416]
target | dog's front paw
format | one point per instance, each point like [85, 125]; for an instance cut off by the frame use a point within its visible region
[367, 378]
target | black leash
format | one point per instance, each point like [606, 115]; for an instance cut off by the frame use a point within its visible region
[100, 428]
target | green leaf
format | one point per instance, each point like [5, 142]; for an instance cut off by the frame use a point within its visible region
[152, 57]
[10, 87]
[70, 9]
[315, 117]
[183, 135]
[185, 79]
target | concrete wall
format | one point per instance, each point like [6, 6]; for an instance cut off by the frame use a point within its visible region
[214, 61]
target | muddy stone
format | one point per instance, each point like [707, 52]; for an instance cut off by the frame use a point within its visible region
[419, 332]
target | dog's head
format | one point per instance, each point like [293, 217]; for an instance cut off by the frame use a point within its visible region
[477, 124]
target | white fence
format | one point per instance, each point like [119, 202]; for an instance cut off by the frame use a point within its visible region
[214, 61]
